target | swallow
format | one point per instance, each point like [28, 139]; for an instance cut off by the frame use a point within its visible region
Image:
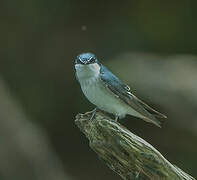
[108, 93]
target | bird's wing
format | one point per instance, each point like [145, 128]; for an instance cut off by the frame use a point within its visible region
[123, 92]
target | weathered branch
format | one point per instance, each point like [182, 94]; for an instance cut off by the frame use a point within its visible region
[125, 153]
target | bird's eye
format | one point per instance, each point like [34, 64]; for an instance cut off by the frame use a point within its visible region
[92, 60]
[78, 61]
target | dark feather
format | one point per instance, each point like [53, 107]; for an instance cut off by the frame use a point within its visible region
[123, 92]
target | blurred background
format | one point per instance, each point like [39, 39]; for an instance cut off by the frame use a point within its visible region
[150, 45]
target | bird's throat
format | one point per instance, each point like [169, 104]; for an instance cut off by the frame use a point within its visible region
[87, 71]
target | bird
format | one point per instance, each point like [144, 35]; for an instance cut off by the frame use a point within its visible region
[108, 93]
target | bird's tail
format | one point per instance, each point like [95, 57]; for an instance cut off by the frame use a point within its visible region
[152, 120]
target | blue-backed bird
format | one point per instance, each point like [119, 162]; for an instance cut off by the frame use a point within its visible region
[103, 89]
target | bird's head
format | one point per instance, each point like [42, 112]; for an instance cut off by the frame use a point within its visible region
[87, 64]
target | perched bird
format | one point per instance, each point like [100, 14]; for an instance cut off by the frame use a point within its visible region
[103, 89]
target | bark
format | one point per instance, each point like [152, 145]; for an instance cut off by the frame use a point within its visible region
[125, 153]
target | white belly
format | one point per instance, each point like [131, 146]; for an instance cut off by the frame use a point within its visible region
[100, 96]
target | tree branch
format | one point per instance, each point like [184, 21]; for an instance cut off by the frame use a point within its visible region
[125, 153]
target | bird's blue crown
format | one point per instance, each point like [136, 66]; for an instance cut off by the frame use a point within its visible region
[86, 58]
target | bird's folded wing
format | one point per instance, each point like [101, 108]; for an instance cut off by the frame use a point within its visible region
[123, 92]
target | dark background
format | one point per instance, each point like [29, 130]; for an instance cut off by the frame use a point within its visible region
[151, 45]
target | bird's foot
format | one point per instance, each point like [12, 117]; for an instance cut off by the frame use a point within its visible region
[93, 114]
[116, 118]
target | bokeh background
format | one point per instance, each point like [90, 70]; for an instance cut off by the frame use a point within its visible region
[151, 45]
